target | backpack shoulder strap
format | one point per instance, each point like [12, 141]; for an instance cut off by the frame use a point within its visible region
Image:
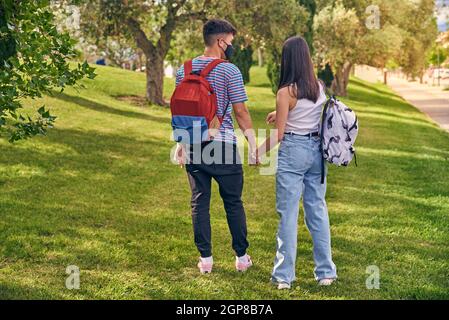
[327, 91]
[323, 123]
[211, 66]
[188, 67]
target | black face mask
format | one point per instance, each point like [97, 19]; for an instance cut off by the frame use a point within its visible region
[229, 51]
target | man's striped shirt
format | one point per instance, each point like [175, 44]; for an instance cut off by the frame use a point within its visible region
[227, 82]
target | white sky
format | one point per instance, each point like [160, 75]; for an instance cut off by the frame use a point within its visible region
[442, 11]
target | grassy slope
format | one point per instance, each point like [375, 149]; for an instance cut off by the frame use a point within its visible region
[99, 192]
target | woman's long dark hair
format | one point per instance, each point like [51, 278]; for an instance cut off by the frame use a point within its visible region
[297, 70]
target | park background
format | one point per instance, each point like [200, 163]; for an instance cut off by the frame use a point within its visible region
[90, 184]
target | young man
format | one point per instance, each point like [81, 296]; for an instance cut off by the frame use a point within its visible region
[226, 169]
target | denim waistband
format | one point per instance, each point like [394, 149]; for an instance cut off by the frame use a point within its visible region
[295, 137]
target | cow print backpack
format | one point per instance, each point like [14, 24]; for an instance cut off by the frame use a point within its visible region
[339, 129]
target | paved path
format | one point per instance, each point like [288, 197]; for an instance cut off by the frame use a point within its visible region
[430, 100]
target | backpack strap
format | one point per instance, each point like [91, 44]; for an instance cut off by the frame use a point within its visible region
[206, 71]
[327, 91]
[211, 66]
[323, 123]
[188, 67]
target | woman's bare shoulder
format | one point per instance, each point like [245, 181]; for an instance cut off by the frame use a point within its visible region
[287, 94]
[283, 92]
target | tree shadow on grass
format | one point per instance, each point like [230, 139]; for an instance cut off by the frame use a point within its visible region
[87, 146]
[393, 115]
[116, 162]
[397, 111]
[106, 233]
[391, 253]
[386, 93]
[83, 217]
[404, 121]
[357, 95]
[89, 104]
[15, 291]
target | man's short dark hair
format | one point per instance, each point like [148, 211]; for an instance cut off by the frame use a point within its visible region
[214, 27]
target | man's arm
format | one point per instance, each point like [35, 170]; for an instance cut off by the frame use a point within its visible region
[246, 125]
[180, 153]
[237, 96]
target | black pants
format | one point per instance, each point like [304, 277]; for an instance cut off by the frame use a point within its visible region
[229, 177]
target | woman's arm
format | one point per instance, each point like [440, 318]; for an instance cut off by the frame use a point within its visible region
[283, 102]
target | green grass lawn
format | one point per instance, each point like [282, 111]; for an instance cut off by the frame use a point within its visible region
[99, 192]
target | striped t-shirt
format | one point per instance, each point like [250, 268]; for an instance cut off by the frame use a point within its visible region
[227, 82]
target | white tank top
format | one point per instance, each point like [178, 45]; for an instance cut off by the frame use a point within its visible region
[304, 118]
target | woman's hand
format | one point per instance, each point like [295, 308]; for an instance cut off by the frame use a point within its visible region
[271, 117]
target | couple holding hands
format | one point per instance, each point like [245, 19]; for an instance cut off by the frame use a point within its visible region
[299, 103]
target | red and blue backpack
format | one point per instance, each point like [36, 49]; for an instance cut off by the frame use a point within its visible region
[194, 106]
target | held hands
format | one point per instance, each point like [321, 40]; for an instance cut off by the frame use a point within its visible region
[258, 152]
[267, 145]
[254, 159]
[180, 156]
[254, 152]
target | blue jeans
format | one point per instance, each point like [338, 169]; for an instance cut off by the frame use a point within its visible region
[299, 173]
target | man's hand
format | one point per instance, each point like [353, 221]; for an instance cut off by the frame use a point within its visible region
[180, 155]
[271, 117]
[246, 125]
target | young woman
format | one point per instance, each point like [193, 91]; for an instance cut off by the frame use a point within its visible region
[299, 105]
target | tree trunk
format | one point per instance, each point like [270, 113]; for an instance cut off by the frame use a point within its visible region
[154, 63]
[155, 79]
[260, 57]
[156, 53]
[421, 77]
[341, 81]
[140, 60]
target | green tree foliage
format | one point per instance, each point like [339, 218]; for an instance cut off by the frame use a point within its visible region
[326, 75]
[187, 43]
[171, 29]
[245, 15]
[33, 63]
[274, 69]
[274, 24]
[261, 24]
[337, 31]
[7, 43]
[243, 57]
[419, 36]
[342, 37]
[310, 6]
[151, 24]
[188, 40]
[437, 55]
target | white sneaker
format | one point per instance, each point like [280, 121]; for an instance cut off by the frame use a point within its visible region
[326, 282]
[243, 263]
[284, 286]
[205, 265]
